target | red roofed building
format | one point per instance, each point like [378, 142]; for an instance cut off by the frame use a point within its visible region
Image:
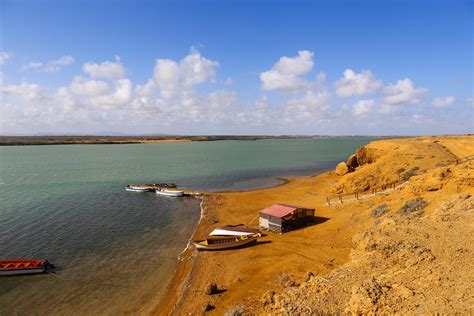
[282, 217]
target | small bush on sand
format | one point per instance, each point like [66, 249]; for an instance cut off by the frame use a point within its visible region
[235, 311]
[415, 207]
[285, 280]
[380, 210]
[400, 170]
[410, 173]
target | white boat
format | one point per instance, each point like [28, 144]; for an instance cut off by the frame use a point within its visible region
[133, 188]
[234, 231]
[168, 192]
[225, 242]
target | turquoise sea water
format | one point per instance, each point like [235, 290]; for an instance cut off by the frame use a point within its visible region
[117, 249]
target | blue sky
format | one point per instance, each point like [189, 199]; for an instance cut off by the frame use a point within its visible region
[240, 67]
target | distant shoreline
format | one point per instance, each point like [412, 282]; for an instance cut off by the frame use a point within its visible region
[124, 140]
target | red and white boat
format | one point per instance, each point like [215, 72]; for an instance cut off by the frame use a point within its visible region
[24, 266]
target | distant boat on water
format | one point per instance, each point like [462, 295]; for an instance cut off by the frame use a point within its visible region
[134, 188]
[227, 242]
[24, 266]
[168, 192]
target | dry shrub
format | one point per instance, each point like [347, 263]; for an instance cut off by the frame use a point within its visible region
[380, 210]
[415, 207]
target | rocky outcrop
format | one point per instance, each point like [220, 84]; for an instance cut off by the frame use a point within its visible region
[342, 169]
[211, 289]
[267, 298]
[352, 162]
[371, 167]
[365, 155]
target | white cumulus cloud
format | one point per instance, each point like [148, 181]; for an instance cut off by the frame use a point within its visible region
[221, 99]
[262, 103]
[146, 107]
[403, 92]
[106, 69]
[171, 77]
[93, 93]
[310, 105]
[443, 102]
[363, 107]
[196, 69]
[96, 95]
[286, 74]
[56, 64]
[32, 65]
[352, 84]
[51, 66]
[146, 89]
[28, 91]
[88, 87]
[167, 76]
[4, 56]
[121, 96]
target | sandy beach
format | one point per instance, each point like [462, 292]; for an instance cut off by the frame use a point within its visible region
[282, 261]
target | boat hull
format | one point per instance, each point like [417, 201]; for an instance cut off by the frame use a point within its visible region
[136, 189]
[22, 271]
[169, 193]
[23, 266]
[224, 246]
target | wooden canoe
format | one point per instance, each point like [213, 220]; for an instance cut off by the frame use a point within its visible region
[23, 266]
[227, 242]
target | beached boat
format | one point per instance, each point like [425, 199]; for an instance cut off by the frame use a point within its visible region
[134, 188]
[234, 231]
[23, 266]
[228, 242]
[168, 192]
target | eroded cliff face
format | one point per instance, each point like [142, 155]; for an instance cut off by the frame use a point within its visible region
[382, 163]
[364, 155]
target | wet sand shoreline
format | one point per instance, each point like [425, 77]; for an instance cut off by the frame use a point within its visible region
[180, 282]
